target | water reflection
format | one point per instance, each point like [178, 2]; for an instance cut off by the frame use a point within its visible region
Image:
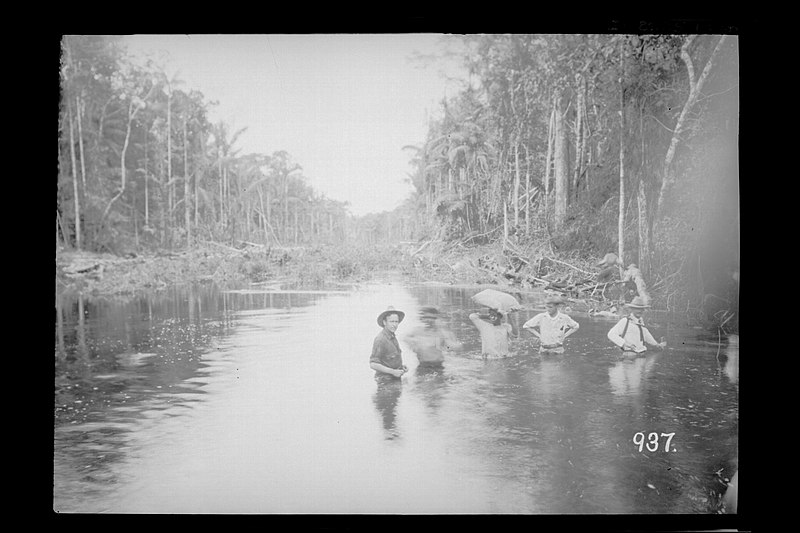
[431, 383]
[627, 374]
[263, 401]
[731, 359]
[385, 398]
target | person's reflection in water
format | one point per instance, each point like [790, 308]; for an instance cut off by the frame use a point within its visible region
[732, 359]
[385, 398]
[431, 383]
[627, 373]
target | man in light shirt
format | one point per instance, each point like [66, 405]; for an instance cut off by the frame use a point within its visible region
[554, 326]
[630, 333]
[495, 333]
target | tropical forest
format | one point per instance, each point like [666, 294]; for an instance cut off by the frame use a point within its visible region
[557, 151]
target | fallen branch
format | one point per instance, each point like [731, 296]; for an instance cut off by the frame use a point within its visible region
[229, 248]
[422, 247]
[571, 266]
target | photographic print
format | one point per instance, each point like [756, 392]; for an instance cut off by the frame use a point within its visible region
[398, 274]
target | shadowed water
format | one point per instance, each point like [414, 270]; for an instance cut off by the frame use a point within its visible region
[204, 401]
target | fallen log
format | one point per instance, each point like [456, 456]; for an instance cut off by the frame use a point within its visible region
[571, 266]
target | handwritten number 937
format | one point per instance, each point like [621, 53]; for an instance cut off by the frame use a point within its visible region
[651, 442]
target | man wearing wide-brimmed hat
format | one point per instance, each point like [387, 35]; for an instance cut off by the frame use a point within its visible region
[630, 333]
[554, 326]
[386, 358]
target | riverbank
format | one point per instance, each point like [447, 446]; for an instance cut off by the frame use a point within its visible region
[504, 266]
[311, 267]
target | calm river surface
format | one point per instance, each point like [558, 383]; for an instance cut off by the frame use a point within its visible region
[262, 401]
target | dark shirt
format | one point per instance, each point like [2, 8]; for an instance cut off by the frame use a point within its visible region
[386, 351]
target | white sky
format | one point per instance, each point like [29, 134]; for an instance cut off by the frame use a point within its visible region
[342, 106]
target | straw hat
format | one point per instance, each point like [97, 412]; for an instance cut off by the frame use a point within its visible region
[638, 302]
[554, 299]
[390, 310]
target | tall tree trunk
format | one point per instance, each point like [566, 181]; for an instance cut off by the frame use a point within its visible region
[505, 223]
[695, 87]
[146, 184]
[621, 219]
[576, 173]
[221, 186]
[551, 130]
[516, 183]
[187, 208]
[75, 184]
[286, 207]
[641, 202]
[561, 169]
[169, 153]
[198, 171]
[644, 236]
[527, 191]
[79, 106]
[132, 110]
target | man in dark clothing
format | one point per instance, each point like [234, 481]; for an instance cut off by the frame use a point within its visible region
[386, 358]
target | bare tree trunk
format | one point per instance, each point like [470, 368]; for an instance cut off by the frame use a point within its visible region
[203, 163]
[221, 185]
[505, 223]
[644, 237]
[527, 191]
[695, 86]
[286, 207]
[79, 107]
[169, 152]
[621, 219]
[75, 184]
[561, 169]
[187, 208]
[641, 202]
[146, 185]
[123, 170]
[576, 174]
[516, 183]
[551, 130]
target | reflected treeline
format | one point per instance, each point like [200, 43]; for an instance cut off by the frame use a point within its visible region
[120, 362]
[107, 348]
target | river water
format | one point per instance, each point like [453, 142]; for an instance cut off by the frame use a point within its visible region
[261, 400]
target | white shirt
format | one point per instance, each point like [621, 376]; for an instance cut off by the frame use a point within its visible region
[552, 330]
[494, 339]
[636, 335]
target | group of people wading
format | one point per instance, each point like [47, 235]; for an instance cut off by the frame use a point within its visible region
[432, 341]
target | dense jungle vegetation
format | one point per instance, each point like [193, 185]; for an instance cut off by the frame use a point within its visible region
[557, 150]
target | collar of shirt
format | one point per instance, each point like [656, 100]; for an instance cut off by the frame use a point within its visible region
[637, 321]
[389, 335]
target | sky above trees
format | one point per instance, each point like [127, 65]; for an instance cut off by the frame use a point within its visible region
[343, 105]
